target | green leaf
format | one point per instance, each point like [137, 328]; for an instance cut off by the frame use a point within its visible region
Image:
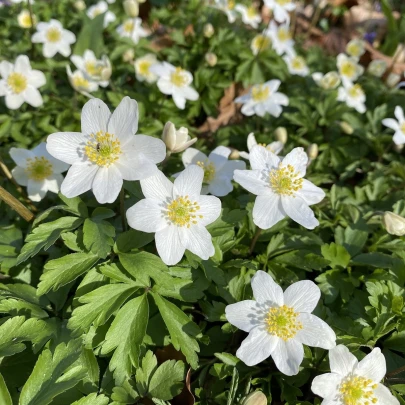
[336, 254]
[145, 372]
[5, 397]
[76, 204]
[132, 239]
[167, 380]
[374, 259]
[98, 236]
[92, 399]
[91, 36]
[62, 271]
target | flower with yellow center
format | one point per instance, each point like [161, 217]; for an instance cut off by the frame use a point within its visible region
[281, 9]
[275, 147]
[279, 323]
[329, 81]
[228, 7]
[355, 48]
[250, 15]
[142, 68]
[353, 95]
[260, 93]
[260, 43]
[17, 82]
[285, 180]
[101, 8]
[103, 149]
[132, 28]
[281, 38]
[348, 68]
[80, 82]
[24, 19]
[296, 65]
[93, 69]
[53, 34]
[209, 170]
[38, 168]
[183, 212]
[398, 125]
[179, 77]
[377, 67]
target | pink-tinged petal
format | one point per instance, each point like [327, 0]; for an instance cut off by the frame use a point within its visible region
[303, 296]
[79, 179]
[266, 290]
[107, 184]
[169, 246]
[95, 115]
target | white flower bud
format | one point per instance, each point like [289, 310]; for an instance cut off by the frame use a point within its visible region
[208, 30]
[281, 134]
[131, 8]
[80, 5]
[234, 154]
[346, 128]
[377, 67]
[128, 55]
[106, 71]
[176, 141]
[392, 79]
[312, 151]
[393, 223]
[255, 398]
[24, 19]
[211, 58]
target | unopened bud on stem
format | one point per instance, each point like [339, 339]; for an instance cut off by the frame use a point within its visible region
[176, 141]
[255, 398]
[281, 135]
[393, 223]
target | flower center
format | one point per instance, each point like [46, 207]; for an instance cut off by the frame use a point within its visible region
[260, 93]
[80, 82]
[231, 4]
[179, 78]
[283, 34]
[353, 49]
[209, 170]
[403, 128]
[356, 390]
[348, 69]
[53, 34]
[251, 12]
[298, 63]
[26, 21]
[96, 12]
[17, 82]
[129, 26]
[282, 2]
[330, 80]
[93, 68]
[144, 67]
[103, 148]
[182, 211]
[282, 322]
[261, 42]
[285, 180]
[38, 168]
[355, 91]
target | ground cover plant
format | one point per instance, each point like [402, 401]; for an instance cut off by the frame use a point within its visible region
[202, 202]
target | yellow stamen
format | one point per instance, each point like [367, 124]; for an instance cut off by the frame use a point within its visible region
[283, 34]
[356, 390]
[231, 4]
[348, 69]
[251, 12]
[38, 168]
[261, 42]
[353, 49]
[129, 26]
[103, 148]
[17, 82]
[298, 63]
[24, 19]
[143, 67]
[282, 2]
[80, 83]
[93, 68]
[282, 322]
[403, 127]
[260, 93]
[53, 34]
[178, 77]
[285, 180]
[209, 170]
[182, 212]
[356, 91]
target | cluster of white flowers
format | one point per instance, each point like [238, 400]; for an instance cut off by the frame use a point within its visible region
[101, 8]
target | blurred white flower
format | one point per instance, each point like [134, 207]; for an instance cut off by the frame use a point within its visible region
[281, 38]
[131, 8]
[392, 79]
[54, 37]
[281, 9]
[106, 152]
[176, 140]
[353, 95]
[80, 82]
[312, 152]
[261, 42]
[353, 382]
[393, 223]
[96, 70]
[328, 81]
[397, 125]
[132, 28]
[228, 7]
[250, 15]
[209, 30]
[296, 65]
[280, 188]
[128, 55]
[177, 214]
[19, 83]
[275, 147]
[211, 58]
[142, 68]
[281, 135]
[262, 99]
[279, 323]
[37, 170]
[355, 48]
[101, 8]
[24, 19]
[377, 67]
[349, 69]
[80, 5]
[176, 82]
[255, 398]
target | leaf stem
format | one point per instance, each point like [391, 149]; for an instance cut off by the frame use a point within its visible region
[122, 209]
[16, 205]
[254, 240]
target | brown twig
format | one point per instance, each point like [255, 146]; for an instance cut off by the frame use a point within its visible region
[254, 240]
[395, 372]
[16, 205]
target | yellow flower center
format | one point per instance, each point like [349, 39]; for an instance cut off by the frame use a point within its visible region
[96, 12]
[178, 77]
[103, 149]
[182, 211]
[298, 63]
[282, 2]
[261, 42]
[38, 168]
[353, 49]
[355, 91]
[209, 170]
[129, 26]
[285, 180]
[282, 322]
[93, 68]
[358, 390]
[143, 67]
[17, 82]
[260, 93]
[231, 4]
[283, 34]
[348, 69]
[25, 20]
[53, 34]
[251, 12]
[79, 82]
[330, 80]
[403, 128]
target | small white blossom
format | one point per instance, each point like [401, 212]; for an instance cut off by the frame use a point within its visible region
[262, 99]
[349, 69]
[80, 82]
[328, 81]
[281, 9]
[19, 83]
[96, 70]
[377, 67]
[397, 125]
[142, 68]
[353, 382]
[24, 19]
[393, 223]
[101, 8]
[281, 38]
[279, 323]
[275, 147]
[280, 188]
[177, 214]
[296, 65]
[228, 7]
[392, 79]
[132, 28]
[260, 43]
[353, 95]
[250, 15]
[355, 48]
[106, 152]
[37, 170]
[176, 141]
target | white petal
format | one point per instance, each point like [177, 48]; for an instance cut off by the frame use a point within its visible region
[315, 332]
[310, 193]
[179, 100]
[20, 176]
[220, 186]
[384, 396]
[189, 182]
[165, 86]
[273, 85]
[251, 141]
[49, 50]
[79, 179]
[36, 190]
[147, 216]
[36, 78]
[266, 290]
[219, 156]
[33, 97]
[260, 158]
[399, 138]
[373, 366]
[95, 115]
[210, 209]
[273, 109]
[248, 108]
[124, 120]
[22, 64]
[399, 114]
[153, 149]
[391, 123]
[298, 159]
[5, 68]
[303, 296]
[64, 49]
[190, 94]
[326, 385]
[288, 356]
[341, 360]
[245, 315]
[192, 156]
[66, 146]
[253, 181]
[157, 187]
[53, 182]
[267, 211]
[197, 240]
[169, 246]
[57, 165]
[298, 210]
[14, 101]
[20, 156]
[107, 184]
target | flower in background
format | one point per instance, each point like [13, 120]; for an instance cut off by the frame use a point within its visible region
[296, 65]
[106, 152]
[392, 79]
[353, 95]
[211, 58]
[96, 70]
[281, 9]
[228, 7]
[349, 69]
[54, 37]
[79, 5]
[393, 223]
[101, 8]
[218, 170]
[328, 81]
[250, 15]
[354, 382]
[132, 28]
[176, 82]
[208, 30]
[24, 19]
[19, 83]
[275, 147]
[355, 48]
[176, 141]
[177, 214]
[279, 323]
[37, 170]
[262, 99]
[377, 67]
[280, 188]
[80, 82]
[142, 68]
[261, 42]
[281, 38]
[397, 125]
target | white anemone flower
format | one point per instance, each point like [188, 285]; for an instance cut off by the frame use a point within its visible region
[177, 214]
[228, 7]
[349, 69]
[280, 188]
[281, 38]
[353, 382]
[250, 15]
[353, 95]
[377, 67]
[279, 323]
[281, 9]
[19, 83]
[101, 8]
[54, 37]
[37, 170]
[106, 152]
[142, 68]
[355, 48]
[328, 81]
[24, 19]
[397, 125]
[96, 70]
[80, 82]
[176, 82]
[261, 42]
[262, 99]
[296, 65]
[132, 28]
[218, 170]
[275, 147]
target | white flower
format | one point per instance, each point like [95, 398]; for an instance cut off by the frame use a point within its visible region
[142, 68]
[349, 69]
[279, 323]
[328, 81]
[296, 65]
[250, 16]
[37, 170]
[177, 214]
[24, 19]
[353, 382]
[131, 8]
[281, 9]
[176, 141]
[397, 125]
[101, 8]
[377, 67]
[96, 70]
[262, 99]
[392, 79]
[132, 28]
[275, 147]
[80, 82]
[19, 83]
[393, 223]
[228, 7]
[355, 48]
[281, 38]
[54, 38]
[106, 152]
[261, 42]
[353, 95]
[280, 188]
[176, 82]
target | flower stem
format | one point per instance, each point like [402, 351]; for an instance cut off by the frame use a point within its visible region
[16, 205]
[122, 209]
[254, 240]
[395, 372]
[32, 29]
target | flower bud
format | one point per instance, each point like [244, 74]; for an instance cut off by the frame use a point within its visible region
[211, 58]
[208, 30]
[255, 398]
[128, 55]
[393, 223]
[176, 141]
[392, 79]
[131, 8]
[106, 71]
[312, 151]
[80, 5]
[377, 67]
[24, 19]
[281, 134]
[346, 128]
[234, 154]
